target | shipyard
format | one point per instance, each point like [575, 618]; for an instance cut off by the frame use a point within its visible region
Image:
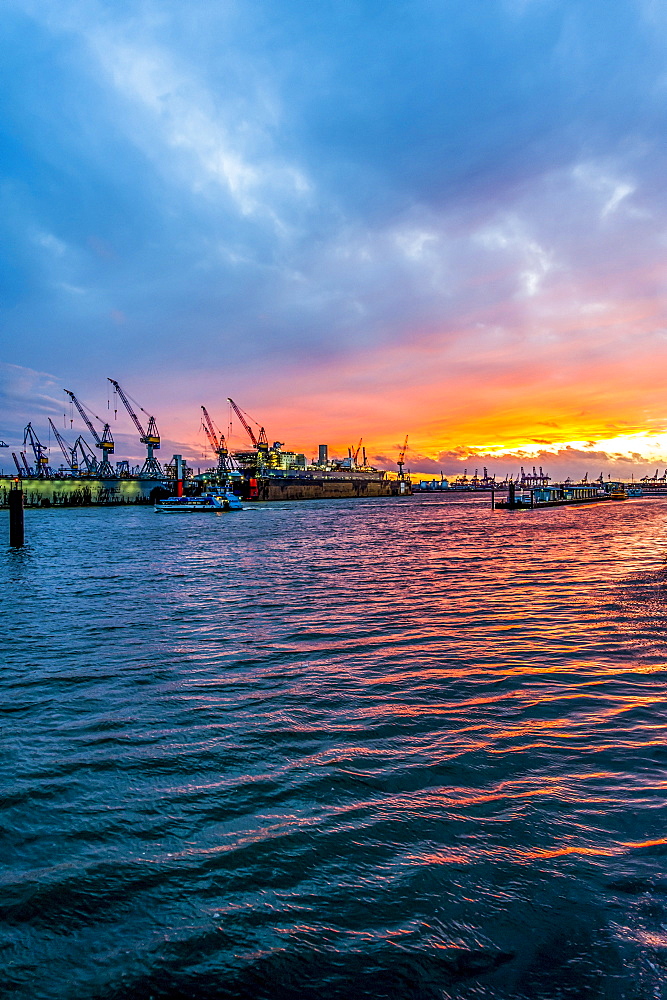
[85, 473]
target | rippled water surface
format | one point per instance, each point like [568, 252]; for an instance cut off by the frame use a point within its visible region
[402, 748]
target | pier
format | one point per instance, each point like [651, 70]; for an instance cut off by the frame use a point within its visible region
[558, 496]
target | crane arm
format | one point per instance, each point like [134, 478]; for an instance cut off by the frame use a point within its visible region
[210, 430]
[66, 450]
[246, 425]
[87, 454]
[401, 457]
[128, 407]
[84, 417]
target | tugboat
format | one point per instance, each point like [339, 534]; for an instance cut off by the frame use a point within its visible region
[209, 502]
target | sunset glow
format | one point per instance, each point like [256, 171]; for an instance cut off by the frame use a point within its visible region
[358, 223]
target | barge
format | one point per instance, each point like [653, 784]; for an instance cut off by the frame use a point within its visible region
[558, 496]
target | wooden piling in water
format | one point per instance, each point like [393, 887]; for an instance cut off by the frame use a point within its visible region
[16, 517]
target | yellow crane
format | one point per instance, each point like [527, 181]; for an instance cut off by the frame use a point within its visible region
[401, 458]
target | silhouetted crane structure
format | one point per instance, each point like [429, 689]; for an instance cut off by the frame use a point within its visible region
[401, 458]
[259, 441]
[151, 469]
[39, 451]
[354, 454]
[69, 454]
[104, 443]
[88, 458]
[218, 444]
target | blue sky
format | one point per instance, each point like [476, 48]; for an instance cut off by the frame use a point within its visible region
[373, 216]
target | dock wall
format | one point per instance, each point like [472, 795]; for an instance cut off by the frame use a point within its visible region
[325, 489]
[72, 492]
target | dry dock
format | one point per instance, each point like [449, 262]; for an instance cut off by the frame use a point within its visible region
[70, 491]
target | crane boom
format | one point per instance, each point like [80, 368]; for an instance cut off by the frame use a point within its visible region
[84, 416]
[259, 441]
[150, 437]
[218, 444]
[246, 425]
[17, 464]
[87, 454]
[105, 443]
[69, 454]
[210, 430]
[128, 407]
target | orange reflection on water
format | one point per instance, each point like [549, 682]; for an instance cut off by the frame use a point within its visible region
[610, 851]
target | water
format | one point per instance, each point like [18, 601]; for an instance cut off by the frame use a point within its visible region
[345, 749]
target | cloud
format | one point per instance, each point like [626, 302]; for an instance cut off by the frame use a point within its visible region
[559, 463]
[25, 395]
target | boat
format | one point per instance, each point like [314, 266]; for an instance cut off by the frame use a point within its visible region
[209, 502]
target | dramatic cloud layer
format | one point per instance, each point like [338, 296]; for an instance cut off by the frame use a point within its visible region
[442, 218]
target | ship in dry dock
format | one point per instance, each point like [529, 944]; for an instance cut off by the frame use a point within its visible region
[269, 472]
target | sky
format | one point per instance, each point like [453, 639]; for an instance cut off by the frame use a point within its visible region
[440, 218]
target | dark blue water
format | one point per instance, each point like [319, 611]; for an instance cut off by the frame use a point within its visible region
[342, 749]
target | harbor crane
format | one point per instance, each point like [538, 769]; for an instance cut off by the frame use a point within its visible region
[151, 469]
[69, 454]
[260, 441]
[104, 443]
[218, 444]
[401, 458]
[39, 451]
[17, 464]
[650, 479]
[88, 458]
[3, 444]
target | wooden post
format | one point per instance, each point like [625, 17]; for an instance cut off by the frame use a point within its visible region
[532, 499]
[16, 532]
[493, 499]
[511, 496]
